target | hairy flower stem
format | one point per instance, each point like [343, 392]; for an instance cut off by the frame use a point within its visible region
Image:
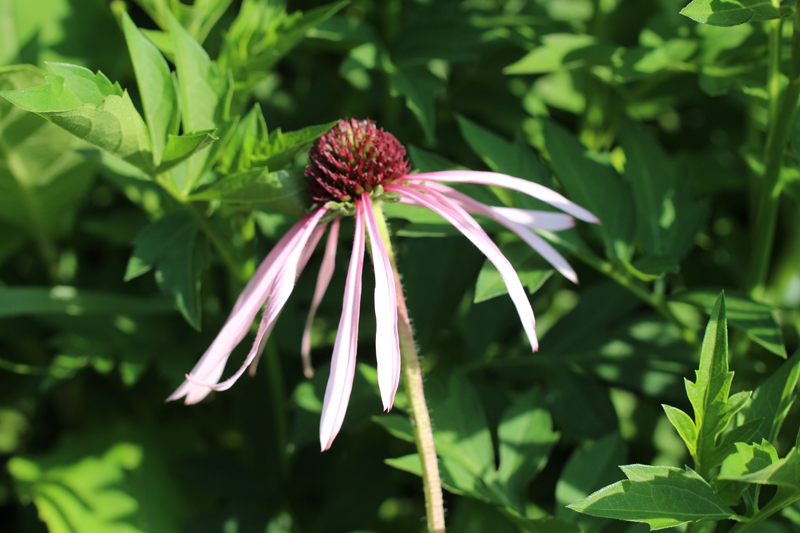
[412, 378]
[780, 121]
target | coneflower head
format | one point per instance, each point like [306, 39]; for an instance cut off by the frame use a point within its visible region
[352, 158]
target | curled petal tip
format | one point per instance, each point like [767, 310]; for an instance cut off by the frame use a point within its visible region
[309, 373]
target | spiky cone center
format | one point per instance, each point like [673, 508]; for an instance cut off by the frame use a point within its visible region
[352, 158]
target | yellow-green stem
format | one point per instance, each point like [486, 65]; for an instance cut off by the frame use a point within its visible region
[781, 115]
[412, 378]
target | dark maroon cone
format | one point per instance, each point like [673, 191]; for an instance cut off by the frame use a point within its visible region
[353, 157]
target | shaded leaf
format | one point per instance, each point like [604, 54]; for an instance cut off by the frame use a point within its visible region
[660, 496]
[282, 190]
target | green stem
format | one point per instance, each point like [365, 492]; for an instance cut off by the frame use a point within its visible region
[782, 498]
[277, 390]
[781, 115]
[412, 378]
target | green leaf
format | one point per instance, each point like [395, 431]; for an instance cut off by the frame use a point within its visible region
[282, 190]
[91, 108]
[560, 51]
[749, 458]
[588, 469]
[419, 87]
[42, 179]
[397, 425]
[156, 86]
[660, 496]
[733, 12]
[755, 319]
[180, 148]
[580, 403]
[713, 409]
[109, 480]
[526, 438]
[685, 426]
[595, 186]
[771, 401]
[784, 472]
[454, 476]
[64, 300]
[461, 431]
[668, 216]
[533, 271]
[283, 148]
[174, 247]
[202, 94]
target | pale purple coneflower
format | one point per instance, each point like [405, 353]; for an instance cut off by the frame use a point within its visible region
[350, 166]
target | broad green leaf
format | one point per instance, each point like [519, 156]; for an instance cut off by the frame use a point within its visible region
[198, 18]
[668, 216]
[755, 319]
[91, 108]
[180, 148]
[589, 469]
[64, 300]
[108, 481]
[419, 87]
[782, 472]
[559, 51]
[771, 401]
[283, 148]
[455, 477]
[42, 178]
[425, 161]
[533, 271]
[596, 187]
[174, 247]
[580, 403]
[733, 12]
[546, 524]
[748, 459]
[460, 427]
[660, 496]
[156, 86]
[282, 190]
[525, 437]
[397, 425]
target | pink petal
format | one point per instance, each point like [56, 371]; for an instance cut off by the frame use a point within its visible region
[467, 225]
[534, 241]
[323, 279]
[509, 182]
[209, 368]
[387, 341]
[343, 362]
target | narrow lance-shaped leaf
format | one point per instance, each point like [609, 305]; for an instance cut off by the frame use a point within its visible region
[156, 86]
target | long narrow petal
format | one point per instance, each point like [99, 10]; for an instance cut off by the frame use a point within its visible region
[387, 341]
[509, 182]
[211, 365]
[323, 279]
[467, 225]
[286, 274]
[534, 241]
[343, 362]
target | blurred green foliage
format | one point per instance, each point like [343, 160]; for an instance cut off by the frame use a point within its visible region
[151, 153]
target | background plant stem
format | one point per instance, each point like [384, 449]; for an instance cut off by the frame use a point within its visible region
[418, 408]
[780, 119]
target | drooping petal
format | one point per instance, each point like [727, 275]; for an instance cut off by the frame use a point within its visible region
[530, 218]
[534, 241]
[209, 368]
[343, 361]
[323, 279]
[308, 250]
[509, 182]
[467, 225]
[387, 340]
